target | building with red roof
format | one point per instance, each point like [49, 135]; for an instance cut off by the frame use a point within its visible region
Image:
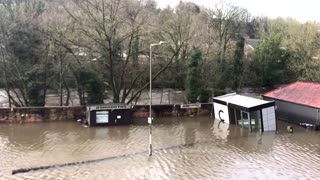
[297, 102]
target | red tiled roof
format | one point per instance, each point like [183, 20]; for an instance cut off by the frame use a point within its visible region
[305, 93]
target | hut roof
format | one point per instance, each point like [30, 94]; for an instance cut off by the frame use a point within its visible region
[304, 93]
[240, 100]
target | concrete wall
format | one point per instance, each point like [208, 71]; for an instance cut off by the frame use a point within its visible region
[269, 119]
[44, 114]
[142, 111]
[296, 114]
[41, 114]
[224, 112]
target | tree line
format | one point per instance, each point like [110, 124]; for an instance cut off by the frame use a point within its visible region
[100, 47]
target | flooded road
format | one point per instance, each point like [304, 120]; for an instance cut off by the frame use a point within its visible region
[184, 148]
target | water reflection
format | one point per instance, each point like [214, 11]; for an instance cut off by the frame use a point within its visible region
[184, 148]
[220, 130]
[118, 133]
[25, 138]
[189, 132]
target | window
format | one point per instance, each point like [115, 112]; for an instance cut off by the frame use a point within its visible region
[102, 117]
[255, 121]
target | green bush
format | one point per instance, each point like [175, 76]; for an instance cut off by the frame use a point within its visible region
[204, 96]
[93, 86]
[219, 92]
[193, 76]
[35, 88]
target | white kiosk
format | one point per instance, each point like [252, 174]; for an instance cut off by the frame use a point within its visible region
[246, 112]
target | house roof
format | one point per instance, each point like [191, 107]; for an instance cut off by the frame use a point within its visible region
[239, 100]
[304, 93]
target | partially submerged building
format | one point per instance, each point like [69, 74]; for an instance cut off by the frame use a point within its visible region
[109, 114]
[246, 112]
[297, 103]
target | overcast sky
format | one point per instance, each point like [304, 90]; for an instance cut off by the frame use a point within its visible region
[303, 10]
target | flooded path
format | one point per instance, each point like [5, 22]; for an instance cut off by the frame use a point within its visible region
[184, 148]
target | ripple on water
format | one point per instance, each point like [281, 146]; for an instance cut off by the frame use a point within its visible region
[186, 148]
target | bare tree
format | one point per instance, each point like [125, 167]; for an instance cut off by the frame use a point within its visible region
[227, 21]
[111, 27]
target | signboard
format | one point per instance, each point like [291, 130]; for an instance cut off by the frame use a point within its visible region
[102, 117]
[190, 106]
[149, 120]
[106, 107]
[221, 112]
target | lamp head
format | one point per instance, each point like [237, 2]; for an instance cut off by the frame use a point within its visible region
[162, 42]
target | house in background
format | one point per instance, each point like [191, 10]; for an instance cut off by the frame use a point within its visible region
[297, 103]
[249, 46]
[246, 112]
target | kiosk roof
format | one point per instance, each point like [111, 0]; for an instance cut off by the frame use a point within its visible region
[240, 100]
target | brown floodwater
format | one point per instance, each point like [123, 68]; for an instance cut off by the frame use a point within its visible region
[184, 148]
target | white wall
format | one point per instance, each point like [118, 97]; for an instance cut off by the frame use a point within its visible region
[269, 119]
[224, 115]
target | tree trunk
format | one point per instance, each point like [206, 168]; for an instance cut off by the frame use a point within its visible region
[45, 84]
[60, 83]
[169, 96]
[61, 94]
[137, 98]
[19, 99]
[116, 98]
[161, 95]
[81, 96]
[68, 91]
[7, 84]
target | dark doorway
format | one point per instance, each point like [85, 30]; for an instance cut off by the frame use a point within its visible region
[232, 116]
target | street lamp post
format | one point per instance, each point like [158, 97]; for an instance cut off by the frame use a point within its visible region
[150, 99]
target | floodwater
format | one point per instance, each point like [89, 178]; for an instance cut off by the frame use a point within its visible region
[184, 148]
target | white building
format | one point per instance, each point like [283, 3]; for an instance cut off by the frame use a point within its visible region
[246, 112]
